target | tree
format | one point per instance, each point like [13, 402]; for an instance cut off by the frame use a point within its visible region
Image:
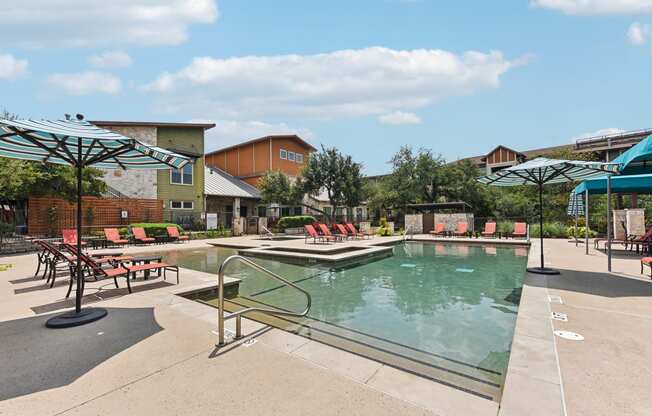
[336, 174]
[276, 188]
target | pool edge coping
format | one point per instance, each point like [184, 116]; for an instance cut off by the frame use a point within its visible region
[533, 347]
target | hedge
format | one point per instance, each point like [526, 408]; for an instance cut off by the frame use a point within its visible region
[295, 222]
[156, 229]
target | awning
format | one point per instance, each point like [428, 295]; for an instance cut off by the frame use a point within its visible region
[619, 184]
[637, 160]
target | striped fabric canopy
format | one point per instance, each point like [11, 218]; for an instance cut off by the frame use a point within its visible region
[541, 170]
[56, 141]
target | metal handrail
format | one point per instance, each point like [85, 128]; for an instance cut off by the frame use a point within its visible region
[270, 235]
[238, 324]
[408, 231]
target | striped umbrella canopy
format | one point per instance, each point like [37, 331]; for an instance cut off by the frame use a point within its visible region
[575, 204]
[60, 141]
[80, 144]
[542, 171]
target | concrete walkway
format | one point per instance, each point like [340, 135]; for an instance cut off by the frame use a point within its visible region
[155, 354]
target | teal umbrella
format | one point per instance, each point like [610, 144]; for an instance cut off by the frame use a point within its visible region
[80, 144]
[637, 160]
[541, 171]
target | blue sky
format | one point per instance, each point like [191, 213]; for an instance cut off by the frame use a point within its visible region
[457, 77]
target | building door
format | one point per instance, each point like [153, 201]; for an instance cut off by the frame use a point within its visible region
[243, 211]
[428, 222]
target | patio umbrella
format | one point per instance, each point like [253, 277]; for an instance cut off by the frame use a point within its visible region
[80, 144]
[542, 171]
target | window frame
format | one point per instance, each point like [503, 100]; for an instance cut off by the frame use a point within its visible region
[281, 152]
[182, 205]
[299, 156]
[192, 175]
[291, 156]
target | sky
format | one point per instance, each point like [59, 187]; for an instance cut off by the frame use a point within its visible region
[457, 77]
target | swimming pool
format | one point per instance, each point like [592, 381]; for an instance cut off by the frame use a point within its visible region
[443, 311]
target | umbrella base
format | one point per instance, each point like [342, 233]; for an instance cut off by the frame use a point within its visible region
[542, 270]
[70, 319]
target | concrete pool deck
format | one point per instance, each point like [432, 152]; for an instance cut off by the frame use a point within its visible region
[155, 352]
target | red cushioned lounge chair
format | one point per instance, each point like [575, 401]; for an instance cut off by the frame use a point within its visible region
[113, 236]
[343, 232]
[140, 236]
[356, 233]
[327, 233]
[440, 229]
[520, 230]
[461, 230]
[70, 236]
[310, 232]
[173, 233]
[489, 229]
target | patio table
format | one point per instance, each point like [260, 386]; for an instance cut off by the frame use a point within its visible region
[146, 259]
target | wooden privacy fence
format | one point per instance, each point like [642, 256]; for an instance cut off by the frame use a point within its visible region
[47, 216]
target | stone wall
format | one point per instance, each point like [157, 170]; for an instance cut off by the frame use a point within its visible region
[635, 221]
[619, 217]
[450, 220]
[414, 223]
[134, 183]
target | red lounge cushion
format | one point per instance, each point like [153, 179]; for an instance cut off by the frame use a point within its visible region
[646, 260]
[182, 237]
[146, 239]
[116, 272]
[119, 241]
[150, 266]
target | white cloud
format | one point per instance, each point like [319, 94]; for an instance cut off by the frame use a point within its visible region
[399, 117]
[229, 132]
[602, 132]
[84, 83]
[11, 67]
[110, 59]
[39, 23]
[596, 7]
[639, 34]
[369, 81]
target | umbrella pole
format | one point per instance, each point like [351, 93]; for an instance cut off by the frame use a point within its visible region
[586, 221]
[79, 316]
[541, 269]
[541, 222]
[609, 223]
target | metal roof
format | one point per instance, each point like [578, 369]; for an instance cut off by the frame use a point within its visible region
[219, 183]
[107, 123]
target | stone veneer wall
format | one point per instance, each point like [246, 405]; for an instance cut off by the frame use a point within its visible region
[414, 222]
[450, 220]
[619, 217]
[635, 221]
[134, 183]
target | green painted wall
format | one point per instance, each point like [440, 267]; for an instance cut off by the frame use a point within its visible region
[189, 140]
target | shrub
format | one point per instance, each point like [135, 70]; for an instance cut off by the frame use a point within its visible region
[297, 221]
[384, 230]
[505, 228]
[156, 229]
[550, 230]
[581, 232]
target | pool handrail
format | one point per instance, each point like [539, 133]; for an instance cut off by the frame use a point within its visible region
[238, 314]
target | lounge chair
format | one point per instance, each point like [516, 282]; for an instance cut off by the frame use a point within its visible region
[646, 261]
[343, 232]
[327, 233]
[440, 229]
[112, 235]
[310, 232]
[630, 241]
[52, 259]
[520, 230]
[140, 236]
[173, 234]
[116, 269]
[489, 229]
[356, 233]
[461, 230]
[69, 236]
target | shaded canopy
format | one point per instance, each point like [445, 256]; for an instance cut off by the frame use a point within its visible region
[542, 170]
[56, 141]
[637, 160]
[619, 184]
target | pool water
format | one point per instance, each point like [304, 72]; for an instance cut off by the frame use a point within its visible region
[451, 306]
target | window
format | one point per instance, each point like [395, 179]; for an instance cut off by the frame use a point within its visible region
[297, 211]
[291, 156]
[284, 154]
[182, 205]
[181, 176]
[299, 157]
[328, 210]
[262, 211]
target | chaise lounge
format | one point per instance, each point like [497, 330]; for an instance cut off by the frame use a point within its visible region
[173, 234]
[112, 236]
[440, 229]
[489, 229]
[140, 236]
